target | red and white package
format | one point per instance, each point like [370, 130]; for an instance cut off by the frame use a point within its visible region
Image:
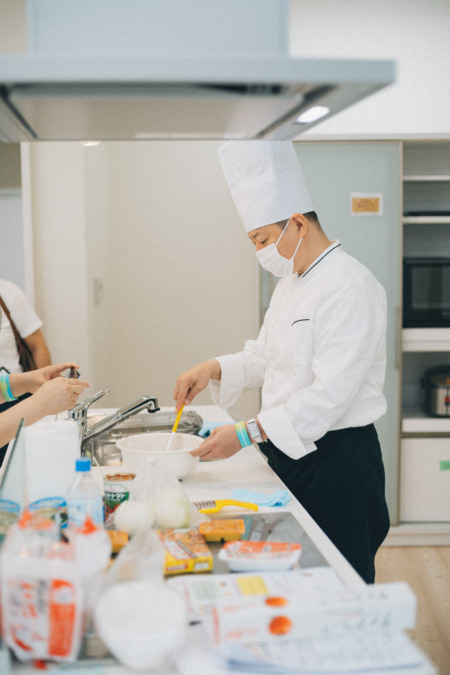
[42, 597]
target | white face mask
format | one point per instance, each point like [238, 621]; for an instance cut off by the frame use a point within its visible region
[271, 259]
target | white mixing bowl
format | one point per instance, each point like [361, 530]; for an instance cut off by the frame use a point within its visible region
[137, 450]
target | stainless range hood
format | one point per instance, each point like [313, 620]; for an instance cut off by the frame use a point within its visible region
[152, 70]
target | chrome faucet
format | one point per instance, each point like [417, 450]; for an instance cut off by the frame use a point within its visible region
[80, 411]
[89, 434]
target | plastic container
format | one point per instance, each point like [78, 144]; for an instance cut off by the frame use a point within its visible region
[9, 514]
[85, 496]
[54, 508]
[246, 556]
[229, 529]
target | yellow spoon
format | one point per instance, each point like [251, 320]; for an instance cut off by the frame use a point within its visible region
[174, 428]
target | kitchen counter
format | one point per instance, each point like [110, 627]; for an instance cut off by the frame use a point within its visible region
[216, 480]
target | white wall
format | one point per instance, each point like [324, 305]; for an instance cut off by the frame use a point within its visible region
[12, 260]
[60, 265]
[154, 224]
[184, 276]
[412, 32]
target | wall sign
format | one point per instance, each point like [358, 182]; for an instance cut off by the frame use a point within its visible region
[366, 204]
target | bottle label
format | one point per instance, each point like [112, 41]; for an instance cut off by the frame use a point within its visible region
[79, 508]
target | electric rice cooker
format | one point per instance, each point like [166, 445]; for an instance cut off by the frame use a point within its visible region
[437, 391]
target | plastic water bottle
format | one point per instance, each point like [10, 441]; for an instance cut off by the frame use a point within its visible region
[85, 496]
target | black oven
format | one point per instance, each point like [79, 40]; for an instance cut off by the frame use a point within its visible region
[426, 292]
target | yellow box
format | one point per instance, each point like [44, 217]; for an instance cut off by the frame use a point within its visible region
[186, 551]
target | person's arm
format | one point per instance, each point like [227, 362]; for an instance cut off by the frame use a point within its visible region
[38, 347]
[29, 382]
[53, 397]
[194, 380]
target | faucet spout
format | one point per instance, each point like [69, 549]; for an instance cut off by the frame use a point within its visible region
[96, 430]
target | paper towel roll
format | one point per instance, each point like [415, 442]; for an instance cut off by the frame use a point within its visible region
[51, 448]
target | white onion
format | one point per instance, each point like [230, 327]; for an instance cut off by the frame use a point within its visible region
[172, 509]
[132, 516]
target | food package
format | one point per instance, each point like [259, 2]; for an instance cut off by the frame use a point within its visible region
[274, 618]
[228, 529]
[42, 594]
[186, 551]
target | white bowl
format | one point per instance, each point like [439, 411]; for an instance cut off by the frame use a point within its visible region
[137, 450]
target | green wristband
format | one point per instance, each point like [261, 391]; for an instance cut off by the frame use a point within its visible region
[6, 388]
[242, 434]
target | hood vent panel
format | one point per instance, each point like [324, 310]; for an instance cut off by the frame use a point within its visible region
[169, 69]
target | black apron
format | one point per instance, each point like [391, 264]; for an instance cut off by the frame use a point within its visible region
[341, 485]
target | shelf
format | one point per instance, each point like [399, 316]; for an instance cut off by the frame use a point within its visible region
[426, 220]
[426, 178]
[417, 422]
[426, 339]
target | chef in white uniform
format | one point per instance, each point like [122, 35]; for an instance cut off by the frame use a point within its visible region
[319, 359]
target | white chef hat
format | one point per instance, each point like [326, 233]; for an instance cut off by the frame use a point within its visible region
[266, 181]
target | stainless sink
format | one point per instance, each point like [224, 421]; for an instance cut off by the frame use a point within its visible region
[104, 448]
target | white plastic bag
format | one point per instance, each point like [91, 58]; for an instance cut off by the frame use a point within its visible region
[140, 619]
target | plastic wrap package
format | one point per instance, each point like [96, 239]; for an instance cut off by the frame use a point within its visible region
[141, 620]
[158, 501]
[92, 549]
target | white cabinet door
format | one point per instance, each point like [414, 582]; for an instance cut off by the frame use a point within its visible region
[333, 171]
[425, 480]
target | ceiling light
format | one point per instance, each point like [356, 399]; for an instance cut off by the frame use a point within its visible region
[312, 114]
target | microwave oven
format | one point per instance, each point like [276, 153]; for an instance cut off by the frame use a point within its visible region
[426, 292]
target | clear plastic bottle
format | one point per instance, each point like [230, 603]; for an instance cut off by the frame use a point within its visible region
[85, 496]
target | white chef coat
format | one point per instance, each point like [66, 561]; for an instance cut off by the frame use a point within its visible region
[320, 356]
[25, 318]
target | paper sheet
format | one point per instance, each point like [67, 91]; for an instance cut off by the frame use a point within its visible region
[204, 591]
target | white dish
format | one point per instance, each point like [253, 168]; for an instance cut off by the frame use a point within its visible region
[138, 450]
[259, 556]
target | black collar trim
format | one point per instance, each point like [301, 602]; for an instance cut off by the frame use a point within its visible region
[320, 260]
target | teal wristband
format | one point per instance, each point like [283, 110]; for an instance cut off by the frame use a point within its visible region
[242, 434]
[6, 388]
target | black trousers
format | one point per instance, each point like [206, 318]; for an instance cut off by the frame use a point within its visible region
[341, 485]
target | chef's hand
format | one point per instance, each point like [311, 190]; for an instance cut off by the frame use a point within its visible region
[222, 442]
[57, 395]
[193, 381]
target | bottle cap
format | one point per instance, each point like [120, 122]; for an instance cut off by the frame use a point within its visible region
[83, 464]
